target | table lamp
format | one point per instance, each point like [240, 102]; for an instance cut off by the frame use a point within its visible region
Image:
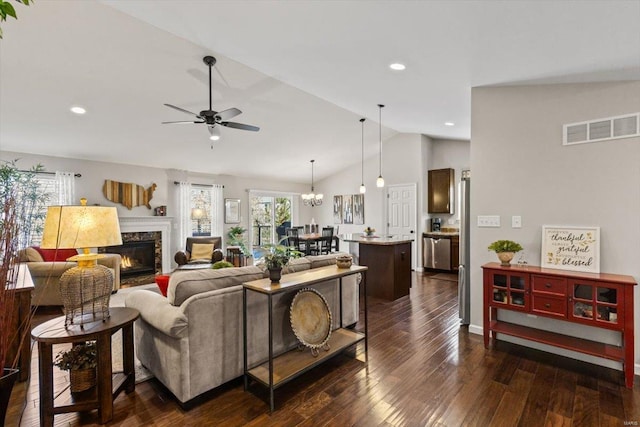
[85, 289]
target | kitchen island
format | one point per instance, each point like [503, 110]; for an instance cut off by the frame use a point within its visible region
[389, 262]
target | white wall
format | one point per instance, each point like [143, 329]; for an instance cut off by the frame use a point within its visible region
[519, 167]
[402, 163]
[94, 173]
[449, 153]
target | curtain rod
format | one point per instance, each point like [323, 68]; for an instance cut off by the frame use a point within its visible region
[199, 185]
[77, 175]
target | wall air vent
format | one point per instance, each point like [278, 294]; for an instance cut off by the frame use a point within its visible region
[606, 129]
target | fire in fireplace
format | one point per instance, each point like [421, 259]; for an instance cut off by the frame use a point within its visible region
[138, 257]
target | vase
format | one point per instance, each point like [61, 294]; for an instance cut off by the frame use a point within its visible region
[505, 258]
[275, 274]
[7, 380]
[82, 379]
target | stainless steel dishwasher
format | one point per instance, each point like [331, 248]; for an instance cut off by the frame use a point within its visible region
[436, 253]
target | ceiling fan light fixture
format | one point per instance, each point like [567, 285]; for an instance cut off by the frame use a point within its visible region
[312, 199]
[215, 133]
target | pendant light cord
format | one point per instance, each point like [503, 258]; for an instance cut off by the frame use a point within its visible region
[362, 157]
[380, 106]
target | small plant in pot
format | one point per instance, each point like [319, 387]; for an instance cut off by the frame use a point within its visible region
[505, 249]
[276, 257]
[81, 361]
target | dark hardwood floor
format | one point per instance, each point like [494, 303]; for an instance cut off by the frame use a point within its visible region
[423, 370]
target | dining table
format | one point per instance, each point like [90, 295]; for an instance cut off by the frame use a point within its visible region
[312, 240]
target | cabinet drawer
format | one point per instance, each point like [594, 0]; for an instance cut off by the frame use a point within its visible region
[552, 285]
[549, 305]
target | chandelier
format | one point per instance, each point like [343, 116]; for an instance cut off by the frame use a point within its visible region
[312, 199]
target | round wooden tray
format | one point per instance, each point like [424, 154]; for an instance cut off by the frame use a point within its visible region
[311, 319]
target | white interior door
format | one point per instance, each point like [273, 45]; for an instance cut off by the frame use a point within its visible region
[401, 202]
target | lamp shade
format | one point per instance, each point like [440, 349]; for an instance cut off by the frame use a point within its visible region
[67, 227]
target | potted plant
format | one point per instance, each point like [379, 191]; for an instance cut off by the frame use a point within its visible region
[369, 231]
[235, 237]
[505, 249]
[23, 204]
[276, 257]
[81, 361]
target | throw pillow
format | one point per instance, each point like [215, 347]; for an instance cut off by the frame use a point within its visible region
[201, 252]
[50, 255]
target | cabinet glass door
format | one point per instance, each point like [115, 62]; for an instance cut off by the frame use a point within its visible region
[510, 290]
[595, 303]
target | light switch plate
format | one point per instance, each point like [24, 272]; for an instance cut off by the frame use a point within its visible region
[516, 221]
[488, 220]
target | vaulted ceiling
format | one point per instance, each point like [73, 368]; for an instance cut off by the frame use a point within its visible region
[303, 71]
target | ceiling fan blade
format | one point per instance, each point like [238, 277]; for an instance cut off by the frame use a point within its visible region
[228, 114]
[181, 122]
[183, 110]
[240, 126]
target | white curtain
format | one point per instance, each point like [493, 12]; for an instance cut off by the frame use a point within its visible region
[66, 188]
[217, 210]
[184, 212]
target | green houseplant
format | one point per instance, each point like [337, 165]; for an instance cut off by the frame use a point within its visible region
[276, 257]
[81, 361]
[505, 249]
[235, 237]
[23, 203]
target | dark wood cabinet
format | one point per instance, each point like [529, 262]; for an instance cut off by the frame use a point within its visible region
[598, 300]
[389, 269]
[441, 190]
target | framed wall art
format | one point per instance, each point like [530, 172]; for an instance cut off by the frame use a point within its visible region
[347, 209]
[571, 248]
[232, 211]
[337, 209]
[358, 209]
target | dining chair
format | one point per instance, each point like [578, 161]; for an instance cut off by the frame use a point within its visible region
[325, 242]
[293, 238]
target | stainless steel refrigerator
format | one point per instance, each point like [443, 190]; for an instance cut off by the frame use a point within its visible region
[465, 254]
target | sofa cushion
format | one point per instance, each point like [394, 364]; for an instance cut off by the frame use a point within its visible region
[55, 254]
[318, 261]
[29, 254]
[201, 251]
[185, 283]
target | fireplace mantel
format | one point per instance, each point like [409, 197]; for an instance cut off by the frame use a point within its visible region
[132, 224]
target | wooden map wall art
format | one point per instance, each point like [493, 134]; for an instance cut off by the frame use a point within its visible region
[128, 194]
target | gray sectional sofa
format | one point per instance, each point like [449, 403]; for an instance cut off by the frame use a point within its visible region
[192, 339]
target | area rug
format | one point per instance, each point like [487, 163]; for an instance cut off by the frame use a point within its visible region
[117, 300]
[445, 276]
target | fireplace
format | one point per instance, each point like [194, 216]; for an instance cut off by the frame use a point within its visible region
[138, 257]
[141, 253]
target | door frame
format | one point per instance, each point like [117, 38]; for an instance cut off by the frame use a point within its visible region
[414, 245]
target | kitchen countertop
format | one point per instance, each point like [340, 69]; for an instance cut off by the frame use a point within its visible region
[374, 240]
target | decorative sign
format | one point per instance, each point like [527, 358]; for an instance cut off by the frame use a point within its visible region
[571, 248]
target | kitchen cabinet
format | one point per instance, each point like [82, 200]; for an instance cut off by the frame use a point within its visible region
[599, 300]
[440, 190]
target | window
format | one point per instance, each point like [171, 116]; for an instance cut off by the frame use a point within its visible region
[200, 211]
[271, 214]
[46, 185]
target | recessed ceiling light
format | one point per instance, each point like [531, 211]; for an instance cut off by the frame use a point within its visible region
[397, 66]
[214, 137]
[449, 124]
[78, 110]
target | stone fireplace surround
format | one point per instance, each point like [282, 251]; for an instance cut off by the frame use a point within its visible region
[160, 224]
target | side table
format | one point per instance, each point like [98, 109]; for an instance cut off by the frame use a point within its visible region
[108, 386]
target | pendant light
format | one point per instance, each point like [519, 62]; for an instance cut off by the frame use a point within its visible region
[363, 189]
[312, 199]
[380, 180]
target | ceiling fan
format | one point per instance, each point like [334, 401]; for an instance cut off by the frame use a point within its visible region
[210, 117]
